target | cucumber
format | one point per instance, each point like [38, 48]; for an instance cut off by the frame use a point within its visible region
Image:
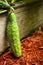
[13, 35]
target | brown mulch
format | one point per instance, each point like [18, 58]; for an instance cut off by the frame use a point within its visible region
[32, 52]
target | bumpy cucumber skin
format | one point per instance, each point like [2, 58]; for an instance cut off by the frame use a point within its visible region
[13, 35]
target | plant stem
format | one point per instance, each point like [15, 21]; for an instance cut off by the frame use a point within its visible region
[12, 1]
[5, 4]
[5, 0]
[12, 9]
[3, 11]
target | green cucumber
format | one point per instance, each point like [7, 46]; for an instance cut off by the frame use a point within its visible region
[13, 35]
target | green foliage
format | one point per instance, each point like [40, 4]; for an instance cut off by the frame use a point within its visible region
[11, 1]
[29, 0]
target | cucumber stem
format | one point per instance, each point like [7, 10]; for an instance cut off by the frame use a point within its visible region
[12, 9]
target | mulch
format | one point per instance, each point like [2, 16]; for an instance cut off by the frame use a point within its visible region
[32, 52]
